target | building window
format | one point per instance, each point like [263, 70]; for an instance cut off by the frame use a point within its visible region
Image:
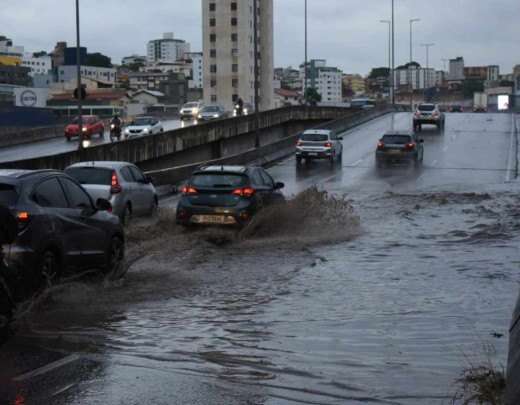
[213, 83]
[212, 6]
[213, 98]
[234, 83]
[234, 21]
[212, 22]
[234, 52]
[212, 53]
[213, 68]
[233, 6]
[235, 97]
[212, 38]
[234, 37]
[234, 68]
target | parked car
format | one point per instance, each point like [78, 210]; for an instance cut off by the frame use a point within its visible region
[190, 110]
[456, 108]
[399, 147]
[123, 184]
[211, 112]
[91, 124]
[428, 114]
[226, 195]
[319, 144]
[141, 126]
[61, 229]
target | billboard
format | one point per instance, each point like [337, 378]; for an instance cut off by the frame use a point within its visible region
[30, 97]
[503, 102]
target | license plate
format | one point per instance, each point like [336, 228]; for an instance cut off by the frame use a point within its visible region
[312, 154]
[394, 152]
[210, 219]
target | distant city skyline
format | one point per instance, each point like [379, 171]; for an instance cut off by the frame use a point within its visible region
[345, 32]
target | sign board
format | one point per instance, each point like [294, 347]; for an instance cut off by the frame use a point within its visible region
[30, 97]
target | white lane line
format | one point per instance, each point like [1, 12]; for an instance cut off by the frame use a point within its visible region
[45, 369]
[511, 158]
[357, 163]
[434, 163]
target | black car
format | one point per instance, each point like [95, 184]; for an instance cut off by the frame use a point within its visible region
[60, 229]
[226, 195]
[456, 108]
[399, 147]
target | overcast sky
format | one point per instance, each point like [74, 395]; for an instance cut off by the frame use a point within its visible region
[345, 32]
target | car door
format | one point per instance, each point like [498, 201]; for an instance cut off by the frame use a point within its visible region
[89, 234]
[143, 191]
[262, 190]
[274, 196]
[61, 224]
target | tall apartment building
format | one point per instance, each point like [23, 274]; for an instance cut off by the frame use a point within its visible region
[328, 81]
[228, 42]
[197, 72]
[456, 69]
[167, 49]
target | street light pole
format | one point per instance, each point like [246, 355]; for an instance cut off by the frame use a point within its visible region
[393, 56]
[255, 49]
[410, 85]
[78, 73]
[306, 58]
[389, 48]
[426, 76]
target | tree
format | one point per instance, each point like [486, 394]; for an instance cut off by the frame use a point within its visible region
[312, 96]
[379, 72]
[98, 60]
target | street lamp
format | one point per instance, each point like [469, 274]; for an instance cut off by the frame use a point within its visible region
[389, 48]
[393, 53]
[426, 76]
[306, 56]
[78, 73]
[410, 85]
[256, 69]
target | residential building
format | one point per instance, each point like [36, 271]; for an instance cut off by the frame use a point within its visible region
[456, 69]
[174, 86]
[15, 75]
[8, 49]
[475, 73]
[228, 52]
[420, 78]
[196, 60]
[107, 76]
[167, 49]
[285, 97]
[356, 83]
[38, 63]
[289, 78]
[440, 78]
[58, 55]
[493, 73]
[328, 81]
[133, 60]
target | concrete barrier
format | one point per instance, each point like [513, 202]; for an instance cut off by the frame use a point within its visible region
[513, 361]
[21, 136]
[263, 155]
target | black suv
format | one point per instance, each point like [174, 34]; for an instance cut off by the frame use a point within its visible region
[60, 229]
[226, 195]
[398, 147]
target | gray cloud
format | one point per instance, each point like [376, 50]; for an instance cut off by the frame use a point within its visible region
[345, 32]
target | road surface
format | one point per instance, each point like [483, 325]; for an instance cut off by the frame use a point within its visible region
[60, 145]
[388, 313]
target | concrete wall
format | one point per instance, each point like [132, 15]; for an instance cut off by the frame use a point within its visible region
[197, 143]
[513, 361]
[20, 136]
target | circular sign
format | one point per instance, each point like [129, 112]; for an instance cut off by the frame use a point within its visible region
[28, 98]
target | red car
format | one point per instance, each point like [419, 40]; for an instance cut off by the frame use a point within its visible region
[92, 125]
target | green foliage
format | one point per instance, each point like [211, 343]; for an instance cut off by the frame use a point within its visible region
[471, 86]
[312, 96]
[379, 72]
[98, 60]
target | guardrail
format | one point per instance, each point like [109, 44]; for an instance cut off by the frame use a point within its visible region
[22, 136]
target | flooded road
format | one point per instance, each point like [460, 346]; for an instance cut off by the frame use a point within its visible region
[383, 299]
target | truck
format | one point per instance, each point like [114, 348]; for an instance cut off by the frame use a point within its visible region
[480, 102]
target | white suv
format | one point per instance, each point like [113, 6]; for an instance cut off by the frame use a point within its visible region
[319, 144]
[191, 110]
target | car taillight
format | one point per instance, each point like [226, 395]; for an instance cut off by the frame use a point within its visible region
[23, 218]
[244, 192]
[188, 190]
[380, 145]
[115, 187]
[328, 145]
[410, 146]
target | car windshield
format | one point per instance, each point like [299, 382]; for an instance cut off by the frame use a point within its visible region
[397, 139]
[426, 107]
[86, 120]
[314, 137]
[210, 109]
[217, 180]
[143, 121]
[190, 105]
[8, 195]
[91, 175]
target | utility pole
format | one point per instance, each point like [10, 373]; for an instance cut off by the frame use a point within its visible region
[410, 84]
[78, 73]
[444, 63]
[255, 47]
[426, 76]
[389, 48]
[306, 59]
[393, 56]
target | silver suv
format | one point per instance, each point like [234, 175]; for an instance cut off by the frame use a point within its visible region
[123, 184]
[428, 114]
[319, 144]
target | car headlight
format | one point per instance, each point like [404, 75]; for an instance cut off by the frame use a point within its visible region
[195, 111]
[112, 126]
[146, 130]
[84, 129]
[200, 116]
[215, 115]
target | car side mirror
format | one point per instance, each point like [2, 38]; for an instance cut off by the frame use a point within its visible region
[421, 140]
[340, 138]
[279, 185]
[103, 205]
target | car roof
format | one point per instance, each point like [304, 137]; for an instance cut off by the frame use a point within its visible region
[409, 133]
[102, 164]
[145, 117]
[428, 104]
[223, 168]
[318, 131]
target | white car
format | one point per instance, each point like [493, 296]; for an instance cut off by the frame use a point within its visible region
[143, 126]
[319, 144]
[191, 110]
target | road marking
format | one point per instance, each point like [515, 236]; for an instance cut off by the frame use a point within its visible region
[511, 158]
[434, 163]
[358, 162]
[45, 369]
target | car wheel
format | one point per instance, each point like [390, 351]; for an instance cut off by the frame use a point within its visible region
[298, 160]
[49, 267]
[116, 253]
[126, 216]
[155, 207]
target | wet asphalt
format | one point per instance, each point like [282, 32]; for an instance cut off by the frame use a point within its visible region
[391, 315]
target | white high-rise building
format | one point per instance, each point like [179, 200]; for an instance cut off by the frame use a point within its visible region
[229, 63]
[197, 71]
[328, 81]
[38, 64]
[167, 49]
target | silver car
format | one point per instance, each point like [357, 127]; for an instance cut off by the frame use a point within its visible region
[129, 191]
[142, 126]
[212, 112]
[319, 144]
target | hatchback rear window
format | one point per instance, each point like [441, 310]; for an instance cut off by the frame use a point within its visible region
[8, 195]
[314, 137]
[91, 175]
[217, 180]
[426, 107]
[396, 139]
